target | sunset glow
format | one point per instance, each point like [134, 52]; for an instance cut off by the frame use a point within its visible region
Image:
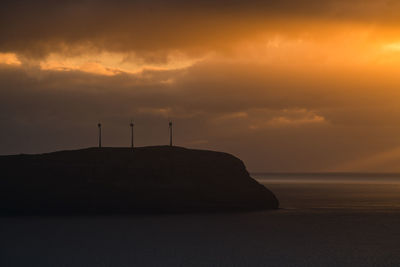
[282, 77]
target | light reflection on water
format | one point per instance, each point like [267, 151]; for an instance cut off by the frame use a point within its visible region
[334, 191]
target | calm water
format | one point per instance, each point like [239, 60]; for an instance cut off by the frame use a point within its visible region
[357, 192]
[325, 220]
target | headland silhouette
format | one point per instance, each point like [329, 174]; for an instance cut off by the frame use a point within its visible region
[122, 180]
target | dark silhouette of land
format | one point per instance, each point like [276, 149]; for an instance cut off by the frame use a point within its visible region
[122, 180]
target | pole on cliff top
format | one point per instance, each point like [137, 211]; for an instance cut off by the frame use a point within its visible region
[170, 133]
[99, 125]
[131, 124]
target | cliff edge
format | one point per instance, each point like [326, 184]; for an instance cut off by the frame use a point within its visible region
[122, 180]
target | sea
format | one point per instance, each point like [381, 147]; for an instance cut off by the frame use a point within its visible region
[334, 191]
[325, 219]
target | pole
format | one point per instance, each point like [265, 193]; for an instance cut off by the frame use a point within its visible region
[131, 134]
[170, 133]
[99, 125]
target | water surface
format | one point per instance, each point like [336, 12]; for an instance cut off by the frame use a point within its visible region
[325, 220]
[356, 192]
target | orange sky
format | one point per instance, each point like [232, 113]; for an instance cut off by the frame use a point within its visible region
[286, 86]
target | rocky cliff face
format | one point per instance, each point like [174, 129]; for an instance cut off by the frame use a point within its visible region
[122, 180]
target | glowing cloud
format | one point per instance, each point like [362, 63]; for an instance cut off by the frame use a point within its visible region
[110, 64]
[9, 59]
[289, 118]
[392, 47]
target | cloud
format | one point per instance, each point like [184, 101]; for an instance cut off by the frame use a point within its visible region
[392, 47]
[231, 116]
[264, 118]
[304, 123]
[152, 29]
[9, 59]
[290, 118]
[111, 64]
[285, 85]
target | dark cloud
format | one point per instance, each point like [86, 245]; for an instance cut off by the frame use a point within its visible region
[150, 28]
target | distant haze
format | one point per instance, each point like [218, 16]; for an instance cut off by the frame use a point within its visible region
[285, 85]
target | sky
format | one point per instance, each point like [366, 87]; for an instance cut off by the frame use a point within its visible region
[287, 86]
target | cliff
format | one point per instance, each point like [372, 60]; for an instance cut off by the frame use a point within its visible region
[122, 180]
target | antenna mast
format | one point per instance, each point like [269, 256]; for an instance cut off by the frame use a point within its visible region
[99, 125]
[131, 133]
[170, 133]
